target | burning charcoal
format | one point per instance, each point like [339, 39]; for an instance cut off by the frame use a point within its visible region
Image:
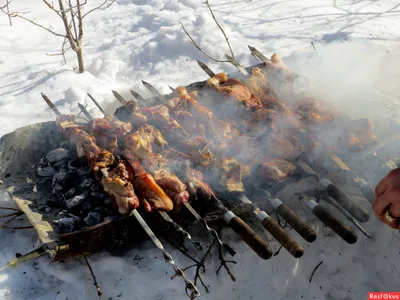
[86, 183]
[61, 164]
[60, 177]
[95, 187]
[98, 195]
[85, 207]
[44, 169]
[75, 201]
[57, 189]
[100, 210]
[77, 218]
[92, 219]
[57, 155]
[66, 224]
[47, 209]
[71, 192]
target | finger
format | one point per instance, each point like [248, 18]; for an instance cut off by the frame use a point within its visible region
[384, 201]
[392, 177]
[394, 210]
[396, 223]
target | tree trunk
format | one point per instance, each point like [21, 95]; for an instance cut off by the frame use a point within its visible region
[79, 55]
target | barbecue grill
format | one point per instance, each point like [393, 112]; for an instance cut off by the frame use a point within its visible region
[22, 150]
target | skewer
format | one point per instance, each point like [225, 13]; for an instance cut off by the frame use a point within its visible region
[301, 227]
[328, 219]
[119, 97]
[163, 214]
[276, 230]
[160, 97]
[340, 196]
[201, 220]
[258, 54]
[168, 258]
[206, 68]
[238, 66]
[268, 223]
[97, 104]
[334, 191]
[272, 226]
[252, 239]
[136, 95]
[348, 216]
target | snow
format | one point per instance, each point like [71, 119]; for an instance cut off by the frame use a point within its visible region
[356, 56]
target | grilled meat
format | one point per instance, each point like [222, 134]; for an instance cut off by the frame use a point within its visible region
[131, 113]
[118, 186]
[275, 170]
[142, 142]
[234, 89]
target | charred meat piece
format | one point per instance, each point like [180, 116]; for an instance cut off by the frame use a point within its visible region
[230, 175]
[142, 142]
[148, 190]
[359, 134]
[189, 123]
[259, 85]
[131, 113]
[117, 185]
[282, 145]
[234, 89]
[159, 167]
[193, 179]
[314, 111]
[273, 171]
[105, 135]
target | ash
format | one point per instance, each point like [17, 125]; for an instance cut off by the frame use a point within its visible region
[77, 194]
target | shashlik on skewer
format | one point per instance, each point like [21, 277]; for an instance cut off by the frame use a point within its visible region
[287, 214]
[232, 182]
[171, 185]
[248, 235]
[115, 181]
[346, 201]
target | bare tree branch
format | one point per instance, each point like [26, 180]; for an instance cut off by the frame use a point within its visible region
[63, 50]
[18, 15]
[51, 6]
[101, 6]
[223, 32]
[198, 47]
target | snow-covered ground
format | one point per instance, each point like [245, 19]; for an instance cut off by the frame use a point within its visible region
[356, 56]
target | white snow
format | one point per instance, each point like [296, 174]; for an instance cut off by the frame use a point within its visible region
[356, 56]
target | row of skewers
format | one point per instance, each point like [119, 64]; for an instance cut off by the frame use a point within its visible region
[188, 148]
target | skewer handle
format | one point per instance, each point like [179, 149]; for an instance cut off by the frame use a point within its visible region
[338, 227]
[250, 237]
[301, 227]
[347, 202]
[289, 243]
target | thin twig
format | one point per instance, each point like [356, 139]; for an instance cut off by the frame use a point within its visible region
[224, 263]
[99, 292]
[101, 6]
[14, 214]
[223, 32]
[18, 15]
[198, 47]
[8, 11]
[315, 269]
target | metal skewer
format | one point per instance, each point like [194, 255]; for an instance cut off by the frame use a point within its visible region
[189, 207]
[206, 68]
[163, 214]
[238, 66]
[168, 258]
[236, 223]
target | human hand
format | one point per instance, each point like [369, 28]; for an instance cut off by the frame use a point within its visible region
[387, 204]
